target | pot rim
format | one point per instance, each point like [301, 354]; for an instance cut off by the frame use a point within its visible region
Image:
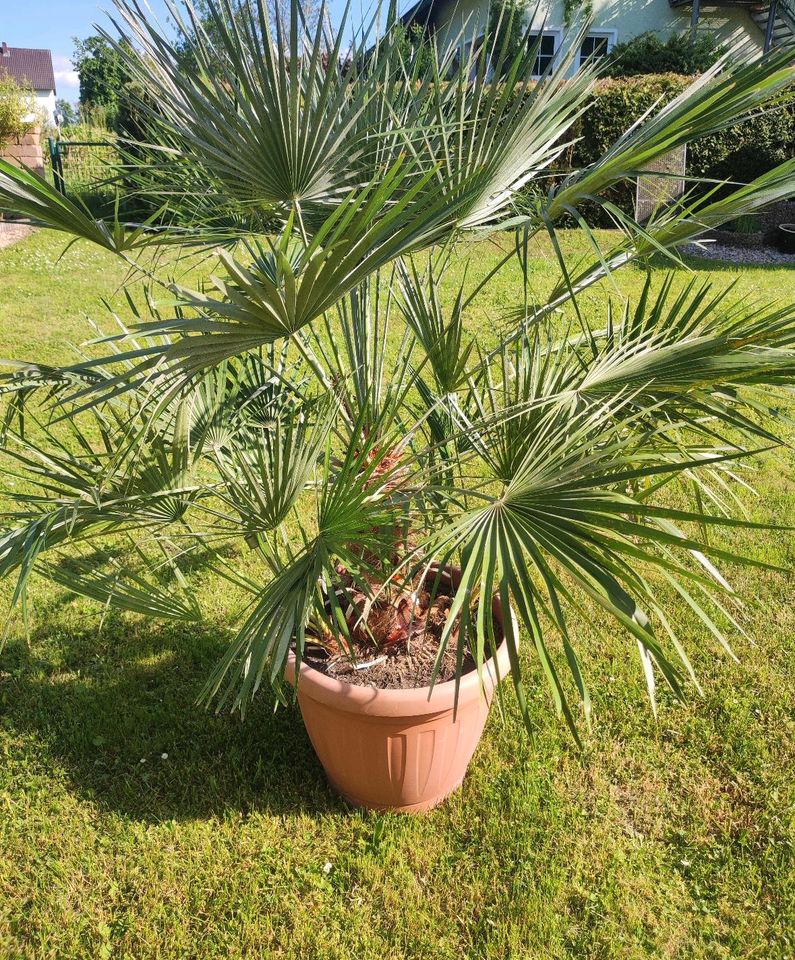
[406, 701]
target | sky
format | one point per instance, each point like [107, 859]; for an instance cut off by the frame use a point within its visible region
[52, 24]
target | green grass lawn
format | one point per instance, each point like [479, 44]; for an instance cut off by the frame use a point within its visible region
[132, 824]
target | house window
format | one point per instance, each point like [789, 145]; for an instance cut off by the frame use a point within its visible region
[545, 51]
[596, 45]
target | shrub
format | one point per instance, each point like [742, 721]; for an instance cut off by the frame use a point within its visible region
[616, 105]
[747, 150]
[95, 116]
[16, 103]
[415, 46]
[647, 53]
[740, 153]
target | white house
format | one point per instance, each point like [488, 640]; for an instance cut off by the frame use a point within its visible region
[31, 68]
[742, 23]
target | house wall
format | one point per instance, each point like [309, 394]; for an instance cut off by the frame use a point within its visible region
[623, 18]
[46, 102]
[732, 25]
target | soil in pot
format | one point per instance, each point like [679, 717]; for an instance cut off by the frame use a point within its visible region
[394, 644]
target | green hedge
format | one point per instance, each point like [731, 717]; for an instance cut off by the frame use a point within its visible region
[616, 106]
[741, 153]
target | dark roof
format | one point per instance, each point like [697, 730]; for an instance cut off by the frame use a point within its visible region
[33, 68]
[427, 13]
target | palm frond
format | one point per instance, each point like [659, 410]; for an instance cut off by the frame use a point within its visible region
[727, 94]
[564, 524]
[577, 466]
[24, 194]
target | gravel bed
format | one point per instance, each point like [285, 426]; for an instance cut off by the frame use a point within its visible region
[708, 250]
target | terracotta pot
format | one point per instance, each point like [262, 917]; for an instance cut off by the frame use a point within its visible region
[397, 749]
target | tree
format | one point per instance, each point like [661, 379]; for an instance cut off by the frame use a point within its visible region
[266, 427]
[416, 45]
[282, 9]
[102, 75]
[67, 111]
[19, 112]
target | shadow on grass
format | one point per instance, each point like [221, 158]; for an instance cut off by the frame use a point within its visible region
[99, 705]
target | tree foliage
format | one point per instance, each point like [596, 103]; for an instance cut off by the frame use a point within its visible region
[506, 24]
[19, 112]
[68, 112]
[102, 74]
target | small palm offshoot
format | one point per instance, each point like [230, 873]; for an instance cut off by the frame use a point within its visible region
[317, 427]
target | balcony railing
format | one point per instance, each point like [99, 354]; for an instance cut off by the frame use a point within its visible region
[774, 17]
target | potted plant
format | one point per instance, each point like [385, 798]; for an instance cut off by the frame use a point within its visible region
[396, 499]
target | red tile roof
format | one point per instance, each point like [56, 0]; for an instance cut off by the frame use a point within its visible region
[33, 68]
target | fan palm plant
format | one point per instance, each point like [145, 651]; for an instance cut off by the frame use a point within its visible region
[317, 425]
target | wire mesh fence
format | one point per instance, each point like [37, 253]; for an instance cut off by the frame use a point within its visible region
[81, 162]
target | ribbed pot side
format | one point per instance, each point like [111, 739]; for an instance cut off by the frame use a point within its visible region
[397, 749]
